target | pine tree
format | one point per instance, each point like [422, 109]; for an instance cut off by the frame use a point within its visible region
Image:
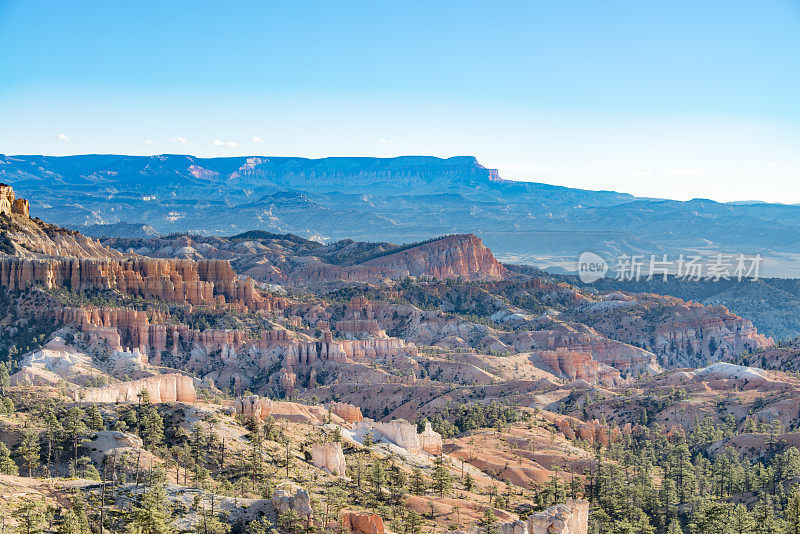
[377, 478]
[442, 481]
[94, 418]
[29, 450]
[69, 524]
[413, 522]
[5, 378]
[30, 516]
[150, 515]
[674, 527]
[7, 465]
[489, 520]
[74, 430]
[52, 433]
[417, 482]
[469, 483]
[793, 511]
[396, 480]
[741, 522]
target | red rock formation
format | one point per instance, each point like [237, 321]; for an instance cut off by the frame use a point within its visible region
[206, 282]
[358, 523]
[589, 431]
[576, 364]
[348, 412]
[457, 256]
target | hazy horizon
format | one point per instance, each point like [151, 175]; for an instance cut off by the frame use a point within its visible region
[545, 182]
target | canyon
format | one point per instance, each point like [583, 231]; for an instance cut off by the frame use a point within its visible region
[432, 359]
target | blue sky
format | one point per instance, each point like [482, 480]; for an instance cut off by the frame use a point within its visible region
[672, 99]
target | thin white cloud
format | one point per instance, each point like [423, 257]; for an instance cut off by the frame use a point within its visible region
[149, 142]
[225, 144]
[385, 141]
[181, 140]
[62, 138]
[256, 139]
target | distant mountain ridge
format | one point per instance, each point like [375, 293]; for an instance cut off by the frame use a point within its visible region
[400, 200]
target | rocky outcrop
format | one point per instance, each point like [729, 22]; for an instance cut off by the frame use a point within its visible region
[329, 456]
[262, 407]
[111, 441]
[348, 412]
[430, 441]
[403, 434]
[579, 365]
[457, 256]
[589, 431]
[358, 523]
[569, 518]
[253, 406]
[9, 204]
[685, 332]
[161, 388]
[580, 346]
[207, 282]
[290, 496]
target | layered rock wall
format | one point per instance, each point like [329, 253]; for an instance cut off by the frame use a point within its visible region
[206, 282]
[161, 388]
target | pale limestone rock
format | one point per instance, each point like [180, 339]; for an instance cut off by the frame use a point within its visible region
[401, 433]
[160, 388]
[253, 406]
[10, 204]
[329, 456]
[108, 441]
[430, 440]
[290, 496]
[513, 527]
[569, 518]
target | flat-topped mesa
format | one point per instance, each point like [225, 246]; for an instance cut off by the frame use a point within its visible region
[160, 388]
[9, 204]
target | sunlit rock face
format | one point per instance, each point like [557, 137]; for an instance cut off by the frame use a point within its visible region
[161, 388]
[329, 456]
